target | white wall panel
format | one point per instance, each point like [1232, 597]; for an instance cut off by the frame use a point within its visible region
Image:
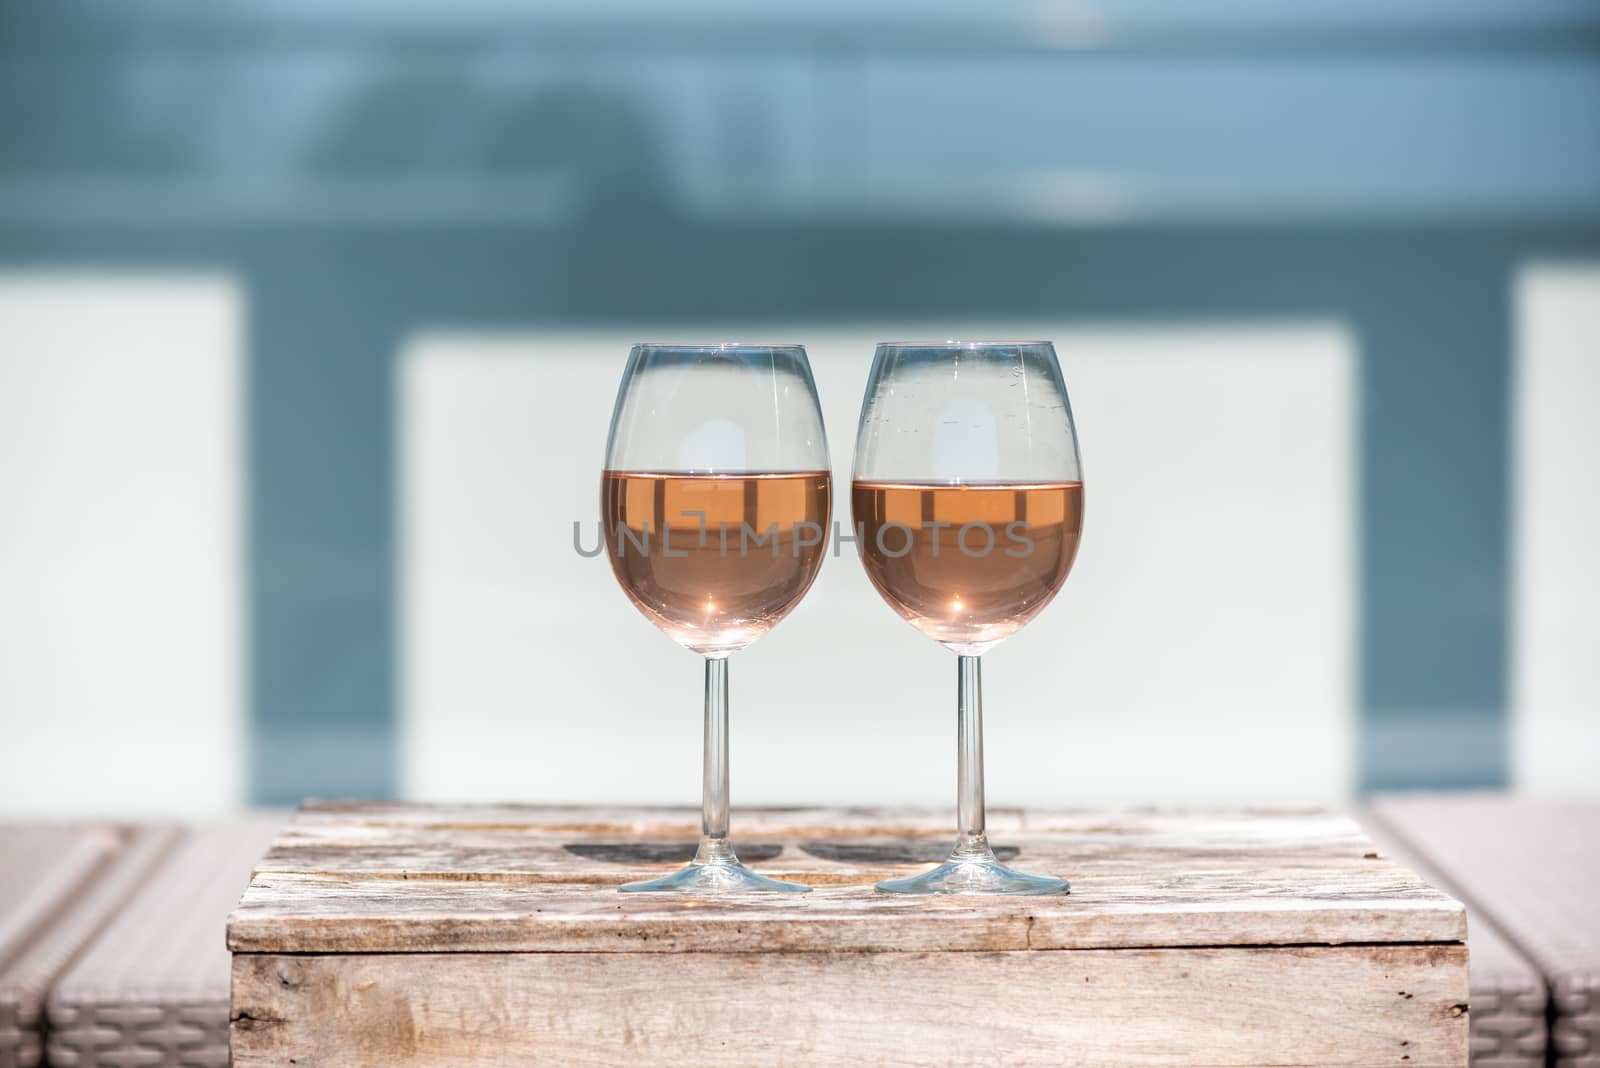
[1202, 649]
[1556, 533]
[120, 530]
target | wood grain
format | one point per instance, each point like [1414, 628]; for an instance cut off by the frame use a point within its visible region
[1356, 1005]
[457, 937]
[319, 914]
[405, 878]
[500, 843]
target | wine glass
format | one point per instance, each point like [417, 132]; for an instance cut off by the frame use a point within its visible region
[968, 503]
[715, 502]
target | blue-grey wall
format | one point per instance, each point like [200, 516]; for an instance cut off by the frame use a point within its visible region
[367, 171]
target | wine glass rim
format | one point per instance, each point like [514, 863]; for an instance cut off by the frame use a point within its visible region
[951, 343]
[715, 346]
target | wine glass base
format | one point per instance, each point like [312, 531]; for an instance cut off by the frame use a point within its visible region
[986, 876]
[723, 878]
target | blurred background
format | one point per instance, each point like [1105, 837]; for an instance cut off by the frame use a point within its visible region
[312, 314]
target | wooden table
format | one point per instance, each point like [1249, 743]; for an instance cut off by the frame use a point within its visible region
[403, 935]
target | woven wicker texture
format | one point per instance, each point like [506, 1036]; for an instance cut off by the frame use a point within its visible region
[43, 874]
[153, 988]
[1533, 868]
[1509, 1001]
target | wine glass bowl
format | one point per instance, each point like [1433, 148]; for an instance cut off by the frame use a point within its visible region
[717, 588]
[970, 564]
[715, 501]
[967, 497]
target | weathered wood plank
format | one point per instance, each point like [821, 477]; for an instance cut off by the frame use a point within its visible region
[1356, 1005]
[402, 935]
[351, 914]
[856, 847]
[391, 879]
[530, 856]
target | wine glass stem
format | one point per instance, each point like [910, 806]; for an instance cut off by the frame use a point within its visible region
[714, 847]
[973, 842]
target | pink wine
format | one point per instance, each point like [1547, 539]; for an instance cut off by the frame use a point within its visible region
[968, 565]
[715, 561]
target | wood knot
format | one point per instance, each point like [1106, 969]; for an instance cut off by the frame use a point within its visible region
[253, 1019]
